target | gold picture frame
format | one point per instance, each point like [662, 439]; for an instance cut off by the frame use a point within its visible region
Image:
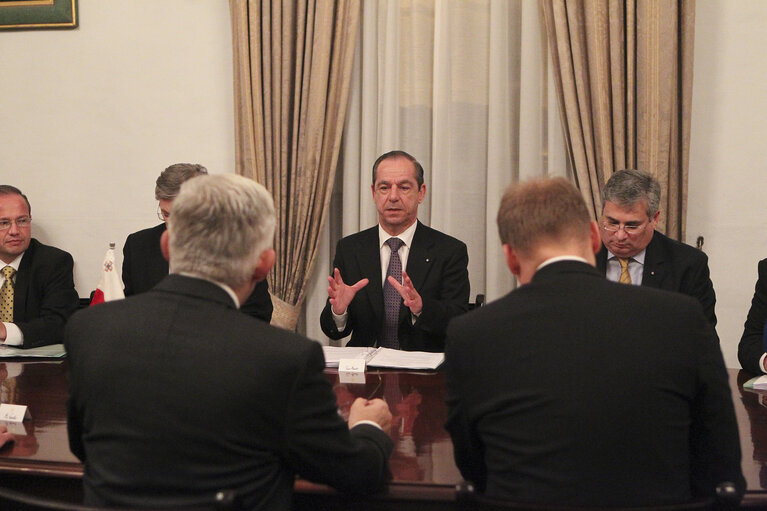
[37, 14]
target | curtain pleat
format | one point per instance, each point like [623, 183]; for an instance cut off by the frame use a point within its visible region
[624, 79]
[293, 63]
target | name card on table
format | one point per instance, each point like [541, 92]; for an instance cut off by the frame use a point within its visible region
[351, 370]
[14, 413]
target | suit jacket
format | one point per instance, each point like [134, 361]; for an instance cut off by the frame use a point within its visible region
[44, 294]
[674, 266]
[144, 266]
[437, 265]
[175, 395]
[751, 347]
[566, 391]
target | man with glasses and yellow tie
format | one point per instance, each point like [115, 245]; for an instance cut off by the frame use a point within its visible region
[37, 290]
[633, 252]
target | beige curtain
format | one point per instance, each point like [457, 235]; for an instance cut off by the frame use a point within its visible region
[292, 67]
[623, 74]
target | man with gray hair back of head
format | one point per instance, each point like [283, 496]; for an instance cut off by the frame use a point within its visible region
[244, 406]
[143, 264]
[634, 252]
[543, 382]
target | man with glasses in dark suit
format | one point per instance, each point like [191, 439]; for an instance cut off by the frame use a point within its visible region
[143, 263]
[37, 289]
[634, 252]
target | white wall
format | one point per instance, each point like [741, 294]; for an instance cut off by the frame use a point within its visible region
[90, 117]
[728, 161]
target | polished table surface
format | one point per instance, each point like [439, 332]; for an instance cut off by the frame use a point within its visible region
[422, 463]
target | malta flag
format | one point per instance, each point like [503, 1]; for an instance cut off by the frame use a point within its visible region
[110, 286]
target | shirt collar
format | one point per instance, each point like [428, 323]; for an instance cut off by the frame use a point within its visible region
[556, 259]
[406, 236]
[15, 263]
[638, 258]
[223, 286]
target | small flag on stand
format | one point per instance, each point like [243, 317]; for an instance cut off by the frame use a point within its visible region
[110, 286]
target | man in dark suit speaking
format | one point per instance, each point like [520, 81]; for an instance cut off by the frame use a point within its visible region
[567, 391]
[175, 395]
[635, 253]
[396, 284]
[37, 290]
[143, 263]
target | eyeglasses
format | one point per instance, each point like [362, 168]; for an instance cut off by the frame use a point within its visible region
[630, 230]
[162, 215]
[21, 223]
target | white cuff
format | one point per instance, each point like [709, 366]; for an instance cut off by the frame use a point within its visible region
[372, 423]
[340, 320]
[13, 335]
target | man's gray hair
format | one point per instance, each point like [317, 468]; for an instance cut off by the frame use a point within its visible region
[171, 179]
[220, 226]
[627, 187]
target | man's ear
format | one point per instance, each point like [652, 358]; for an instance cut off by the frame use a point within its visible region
[265, 263]
[512, 260]
[595, 237]
[164, 245]
[654, 219]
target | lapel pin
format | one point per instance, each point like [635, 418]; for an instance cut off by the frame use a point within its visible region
[427, 259]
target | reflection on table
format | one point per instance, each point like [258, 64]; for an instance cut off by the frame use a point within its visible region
[423, 469]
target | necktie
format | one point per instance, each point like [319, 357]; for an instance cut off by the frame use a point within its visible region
[392, 298]
[6, 296]
[625, 277]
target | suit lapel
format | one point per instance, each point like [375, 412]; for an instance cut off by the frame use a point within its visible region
[369, 261]
[419, 260]
[653, 272]
[21, 286]
[602, 260]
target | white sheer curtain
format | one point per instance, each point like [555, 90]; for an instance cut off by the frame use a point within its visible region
[465, 87]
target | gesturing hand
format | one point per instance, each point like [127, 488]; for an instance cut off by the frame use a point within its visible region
[410, 296]
[340, 293]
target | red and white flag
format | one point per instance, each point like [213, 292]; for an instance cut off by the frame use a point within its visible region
[110, 285]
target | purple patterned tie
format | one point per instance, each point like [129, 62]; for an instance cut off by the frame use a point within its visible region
[392, 298]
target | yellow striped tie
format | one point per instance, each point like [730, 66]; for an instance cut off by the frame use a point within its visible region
[625, 277]
[6, 296]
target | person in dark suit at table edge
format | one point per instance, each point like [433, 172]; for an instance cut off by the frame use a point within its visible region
[37, 289]
[751, 349]
[576, 390]
[401, 297]
[630, 212]
[175, 395]
[143, 263]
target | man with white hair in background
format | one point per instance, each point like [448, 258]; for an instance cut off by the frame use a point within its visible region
[175, 395]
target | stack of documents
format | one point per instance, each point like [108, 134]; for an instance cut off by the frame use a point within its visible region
[52, 351]
[384, 357]
[758, 383]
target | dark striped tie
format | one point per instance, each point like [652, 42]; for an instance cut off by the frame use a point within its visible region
[392, 298]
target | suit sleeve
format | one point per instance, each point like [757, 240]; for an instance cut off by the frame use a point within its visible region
[127, 270]
[468, 449]
[714, 439]
[453, 297]
[327, 323]
[259, 303]
[750, 348]
[701, 287]
[318, 442]
[74, 419]
[55, 289]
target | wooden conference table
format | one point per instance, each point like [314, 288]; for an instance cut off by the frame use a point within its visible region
[423, 470]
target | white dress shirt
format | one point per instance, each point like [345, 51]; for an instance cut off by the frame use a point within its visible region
[636, 267]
